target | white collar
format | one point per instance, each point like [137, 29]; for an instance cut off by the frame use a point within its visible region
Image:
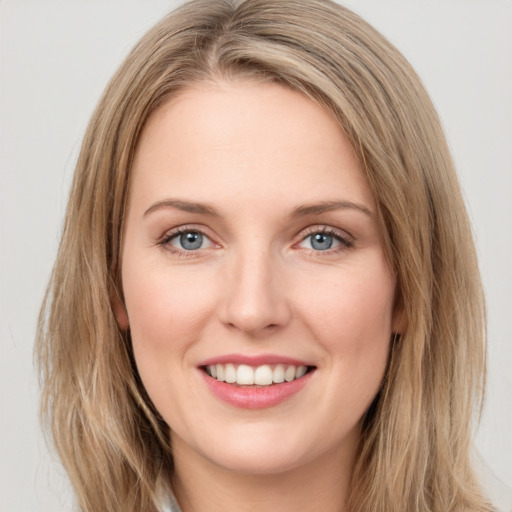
[169, 503]
[166, 498]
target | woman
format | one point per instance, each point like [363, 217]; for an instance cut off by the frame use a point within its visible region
[266, 294]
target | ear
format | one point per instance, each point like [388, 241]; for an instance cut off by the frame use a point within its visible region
[119, 309]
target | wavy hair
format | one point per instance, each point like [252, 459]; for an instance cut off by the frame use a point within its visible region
[415, 452]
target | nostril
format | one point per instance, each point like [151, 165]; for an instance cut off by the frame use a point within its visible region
[252, 327]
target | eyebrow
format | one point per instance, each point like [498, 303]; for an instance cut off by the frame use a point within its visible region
[327, 206]
[186, 206]
[300, 211]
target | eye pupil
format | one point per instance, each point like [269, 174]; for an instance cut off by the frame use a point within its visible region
[321, 242]
[191, 240]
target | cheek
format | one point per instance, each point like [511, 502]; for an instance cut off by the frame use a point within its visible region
[354, 305]
[352, 318]
[166, 309]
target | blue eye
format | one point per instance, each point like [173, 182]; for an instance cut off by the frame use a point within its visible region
[189, 240]
[325, 240]
[321, 241]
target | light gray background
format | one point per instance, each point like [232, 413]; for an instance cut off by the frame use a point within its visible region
[55, 59]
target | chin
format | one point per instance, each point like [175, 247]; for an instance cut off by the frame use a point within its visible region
[250, 462]
[262, 449]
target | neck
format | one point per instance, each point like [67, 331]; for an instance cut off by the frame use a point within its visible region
[202, 486]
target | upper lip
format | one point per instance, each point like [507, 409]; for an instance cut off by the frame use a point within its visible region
[254, 360]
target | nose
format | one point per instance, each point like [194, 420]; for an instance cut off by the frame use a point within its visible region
[255, 298]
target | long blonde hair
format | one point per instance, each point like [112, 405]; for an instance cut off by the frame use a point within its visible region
[416, 439]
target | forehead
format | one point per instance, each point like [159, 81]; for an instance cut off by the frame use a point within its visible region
[245, 140]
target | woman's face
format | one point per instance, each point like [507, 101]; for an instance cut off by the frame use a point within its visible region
[252, 254]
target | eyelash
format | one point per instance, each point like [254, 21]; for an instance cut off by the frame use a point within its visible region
[168, 237]
[346, 241]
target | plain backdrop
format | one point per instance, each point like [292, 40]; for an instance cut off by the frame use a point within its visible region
[55, 59]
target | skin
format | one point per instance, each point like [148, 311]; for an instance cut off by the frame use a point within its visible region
[255, 153]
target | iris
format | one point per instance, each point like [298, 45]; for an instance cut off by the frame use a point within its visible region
[191, 240]
[321, 241]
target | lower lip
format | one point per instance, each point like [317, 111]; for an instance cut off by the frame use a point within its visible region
[255, 397]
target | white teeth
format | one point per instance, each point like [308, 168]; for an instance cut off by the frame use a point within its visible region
[219, 368]
[278, 374]
[301, 371]
[264, 375]
[244, 375]
[289, 374]
[230, 373]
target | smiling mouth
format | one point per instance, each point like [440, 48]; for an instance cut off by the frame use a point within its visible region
[256, 376]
